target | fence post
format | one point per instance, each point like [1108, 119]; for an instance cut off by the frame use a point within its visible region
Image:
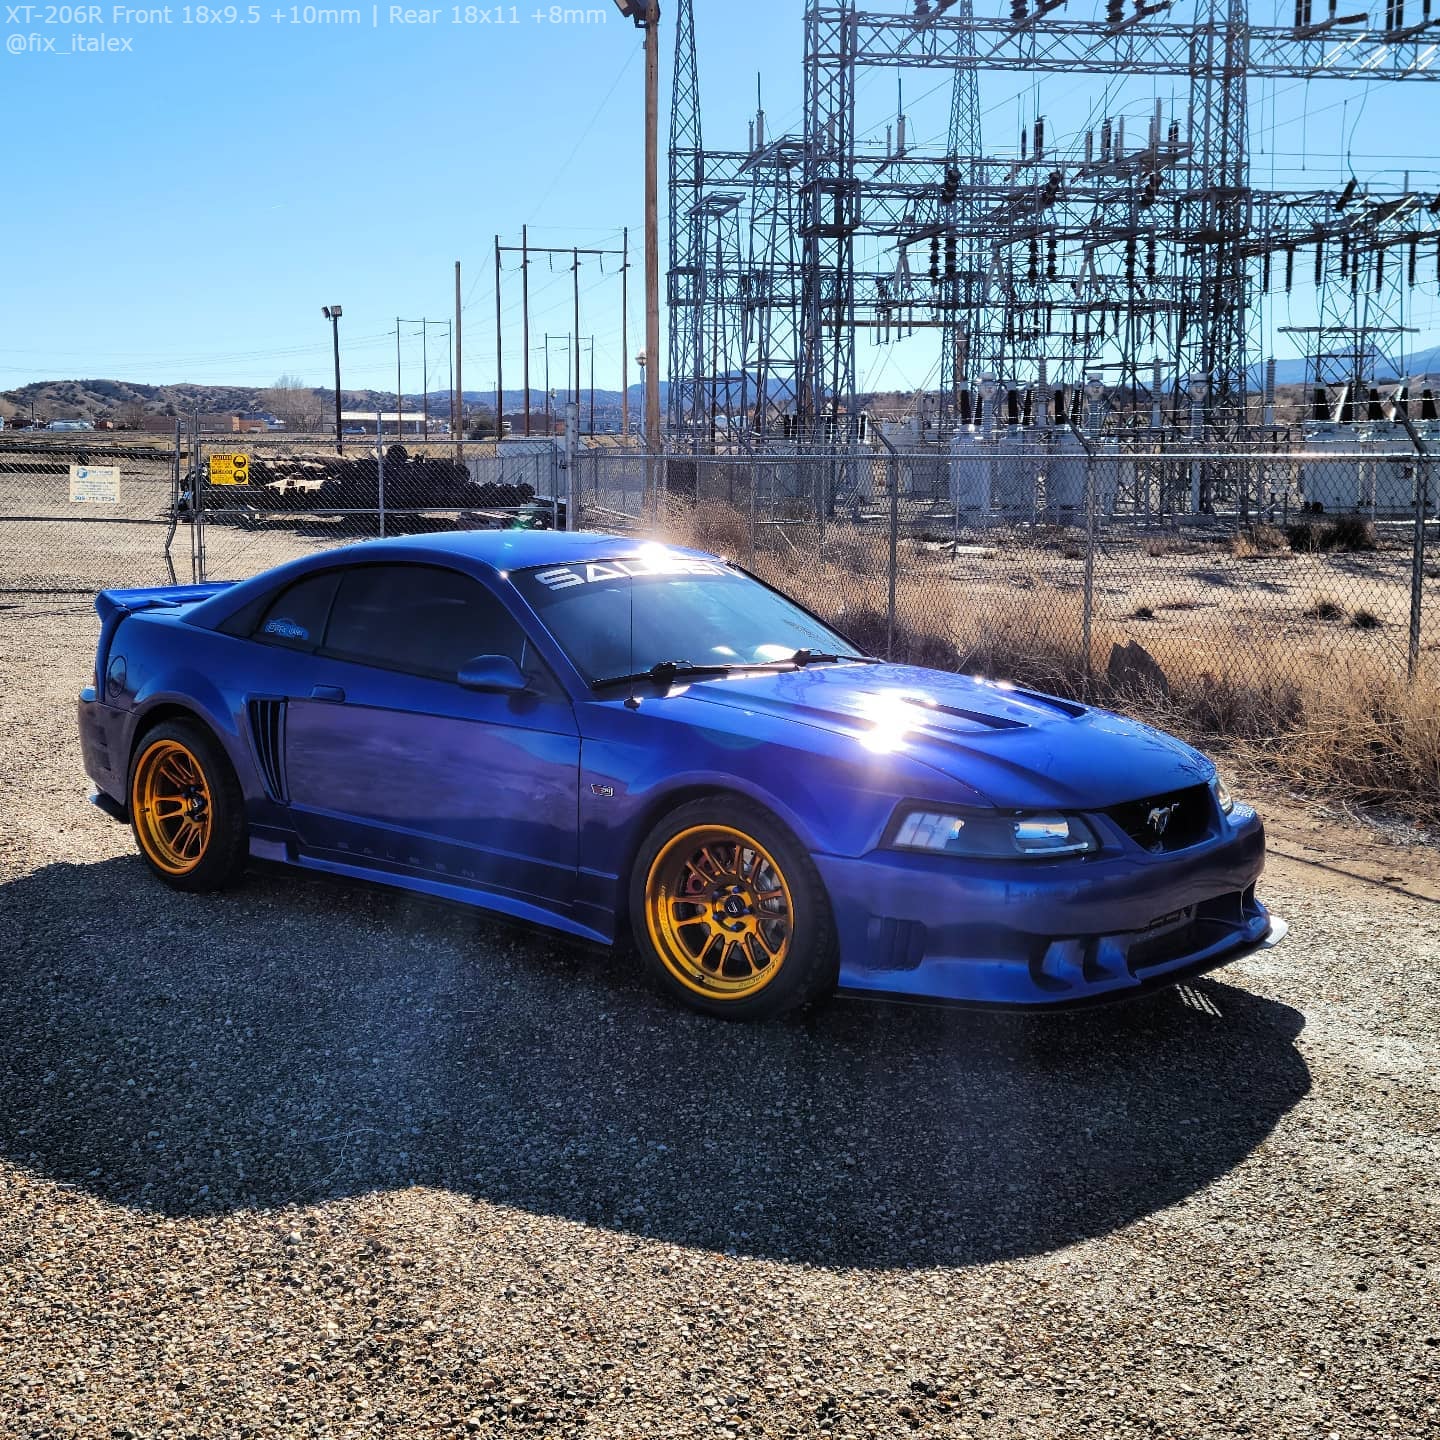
[892, 467]
[1087, 613]
[1417, 563]
[754, 510]
[197, 519]
[1417, 555]
[1087, 621]
[380, 469]
[174, 504]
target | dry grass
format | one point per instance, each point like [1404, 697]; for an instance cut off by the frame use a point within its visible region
[1258, 540]
[1354, 731]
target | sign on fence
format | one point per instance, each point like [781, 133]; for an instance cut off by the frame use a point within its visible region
[229, 469]
[95, 484]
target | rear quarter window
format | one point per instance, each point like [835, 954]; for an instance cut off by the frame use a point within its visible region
[296, 618]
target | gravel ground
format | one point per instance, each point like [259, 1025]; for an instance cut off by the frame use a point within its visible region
[311, 1159]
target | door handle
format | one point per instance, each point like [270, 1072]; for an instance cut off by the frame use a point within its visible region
[333, 693]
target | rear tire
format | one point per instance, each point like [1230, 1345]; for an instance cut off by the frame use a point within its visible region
[186, 808]
[729, 913]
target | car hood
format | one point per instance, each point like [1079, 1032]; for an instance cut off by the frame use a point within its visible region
[1015, 747]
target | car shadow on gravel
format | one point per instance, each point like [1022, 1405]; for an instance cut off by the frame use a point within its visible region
[300, 1040]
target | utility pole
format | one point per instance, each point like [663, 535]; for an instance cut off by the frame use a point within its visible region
[652, 247]
[500, 361]
[458, 422]
[425, 377]
[399, 394]
[592, 384]
[625, 334]
[576, 342]
[524, 309]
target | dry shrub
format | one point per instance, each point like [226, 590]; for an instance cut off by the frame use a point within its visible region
[711, 525]
[1344, 533]
[1366, 620]
[1257, 540]
[1324, 608]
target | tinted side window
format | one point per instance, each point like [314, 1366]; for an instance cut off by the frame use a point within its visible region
[419, 620]
[296, 618]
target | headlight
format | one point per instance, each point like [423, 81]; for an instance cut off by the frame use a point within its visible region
[993, 836]
[1223, 797]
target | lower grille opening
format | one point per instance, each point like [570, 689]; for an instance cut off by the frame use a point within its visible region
[1208, 923]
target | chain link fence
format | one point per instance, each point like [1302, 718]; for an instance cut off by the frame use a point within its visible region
[1288, 598]
[82, 512]
[1285, 598]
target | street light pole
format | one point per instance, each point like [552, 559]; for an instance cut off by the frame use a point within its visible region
[332, 313]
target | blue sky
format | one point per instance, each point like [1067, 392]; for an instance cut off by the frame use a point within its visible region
[182, 210]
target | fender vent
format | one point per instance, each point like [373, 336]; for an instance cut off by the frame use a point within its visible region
[267, 731]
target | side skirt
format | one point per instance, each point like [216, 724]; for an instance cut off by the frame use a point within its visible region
[460, 894]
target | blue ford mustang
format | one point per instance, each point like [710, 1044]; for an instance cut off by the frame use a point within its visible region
[615, 738]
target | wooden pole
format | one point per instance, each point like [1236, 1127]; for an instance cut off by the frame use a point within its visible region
[625, 335]
[525, 312]
[459, 421]
[653, 441]
[500, 356]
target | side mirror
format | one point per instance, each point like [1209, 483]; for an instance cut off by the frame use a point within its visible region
[497, 674]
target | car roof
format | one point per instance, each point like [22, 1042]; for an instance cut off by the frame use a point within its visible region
[475, 550]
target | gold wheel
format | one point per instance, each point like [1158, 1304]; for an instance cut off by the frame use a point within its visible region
[172, 808]
[719, 912]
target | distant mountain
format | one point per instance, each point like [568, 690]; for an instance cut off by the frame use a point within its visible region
[1297, 372]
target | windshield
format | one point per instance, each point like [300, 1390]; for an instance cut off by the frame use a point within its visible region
[684, 610]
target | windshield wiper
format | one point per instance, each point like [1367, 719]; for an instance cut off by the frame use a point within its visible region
[802, 658]
[665, 672]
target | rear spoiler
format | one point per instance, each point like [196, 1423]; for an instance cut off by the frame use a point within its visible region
[114, 605]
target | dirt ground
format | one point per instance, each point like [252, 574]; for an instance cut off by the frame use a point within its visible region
[312, 1159]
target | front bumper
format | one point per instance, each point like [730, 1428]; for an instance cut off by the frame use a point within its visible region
[1036, 934]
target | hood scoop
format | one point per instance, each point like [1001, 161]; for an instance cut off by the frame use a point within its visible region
[974, 717]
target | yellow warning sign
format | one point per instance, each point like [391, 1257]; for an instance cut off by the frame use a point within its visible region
[229, 469]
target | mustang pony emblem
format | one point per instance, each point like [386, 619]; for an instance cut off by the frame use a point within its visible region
[1159, 819]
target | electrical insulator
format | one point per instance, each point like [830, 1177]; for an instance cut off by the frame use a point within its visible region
[1150, 257]
[951, 269]
[964, 407]
[1319, 261]
[1040, 138]
[1050, 258]
[1027, 412]
[1379, 270]
[1265, 272]
[1414, 256]
[1017, 11]
[1289, 268]
[1033, 269]
[1012, 406]
[1114, 13]
[934, 259]
[1130, 255]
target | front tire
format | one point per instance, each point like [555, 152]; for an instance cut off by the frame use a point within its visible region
[729, 912]
[186, 808]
